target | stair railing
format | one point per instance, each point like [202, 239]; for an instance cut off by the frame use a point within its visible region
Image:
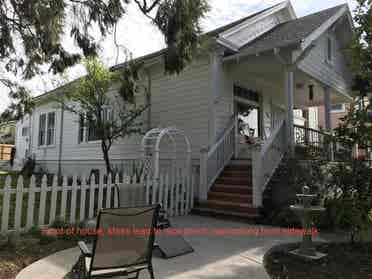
[265, 160]
[215, 159]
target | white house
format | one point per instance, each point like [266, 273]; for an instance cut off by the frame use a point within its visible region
[269, 63]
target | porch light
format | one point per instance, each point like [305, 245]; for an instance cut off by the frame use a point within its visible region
[311, 92]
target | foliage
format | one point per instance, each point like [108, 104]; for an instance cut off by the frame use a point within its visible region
[179, 21]
[287, 181]
[361, 48]
[355, 127]
[21, 104]
[29, 167]
[32, 31]
[111, 114]
[349, 197]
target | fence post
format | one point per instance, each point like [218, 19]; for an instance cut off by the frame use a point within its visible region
[43, 191]
[203, 191]
[73, 200]
[53, 202]
[6, 198]
[64, 198]
[116, 198]
[19, 199]
[31, 203]
[165, 205]
[108, 191]
[100, 191]
[92, 191]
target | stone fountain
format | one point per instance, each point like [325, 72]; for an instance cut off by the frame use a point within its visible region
[306, 212]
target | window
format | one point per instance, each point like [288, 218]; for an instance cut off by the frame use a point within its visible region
[329, 50]
[24, 131]
[88, 127]
[42, 125]
[51, 125]
[338, 108]
[47, 129]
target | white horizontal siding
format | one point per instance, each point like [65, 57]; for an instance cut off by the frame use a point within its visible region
[179, 100]
[335, 74]
[182, 101]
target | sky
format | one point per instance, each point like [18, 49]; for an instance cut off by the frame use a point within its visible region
[141, 37]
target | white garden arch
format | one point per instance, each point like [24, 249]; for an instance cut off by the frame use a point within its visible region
[151, 149]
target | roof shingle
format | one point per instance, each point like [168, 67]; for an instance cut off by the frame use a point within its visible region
[290, 32]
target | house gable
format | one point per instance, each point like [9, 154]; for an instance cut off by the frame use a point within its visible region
[247, 31]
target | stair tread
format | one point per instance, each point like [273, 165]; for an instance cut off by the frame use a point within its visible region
[228, 194]
[237, 186]
[225, 212]
[212, 201]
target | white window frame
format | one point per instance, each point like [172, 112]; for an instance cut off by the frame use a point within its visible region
[44, 145]
[24, 132]
[343, 109]
[85, 128]
[329, 57]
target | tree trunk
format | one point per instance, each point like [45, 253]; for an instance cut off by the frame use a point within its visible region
[106, 157]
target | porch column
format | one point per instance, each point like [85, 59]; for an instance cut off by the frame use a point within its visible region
[327, 120]
[327, 109]
[289, 90]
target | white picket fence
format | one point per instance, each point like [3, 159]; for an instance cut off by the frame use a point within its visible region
[39, 204]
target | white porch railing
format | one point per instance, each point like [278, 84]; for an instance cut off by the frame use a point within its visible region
[265, 160]
[214, 160]
[25, 203]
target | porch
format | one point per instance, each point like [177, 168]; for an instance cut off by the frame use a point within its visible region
[276, 90]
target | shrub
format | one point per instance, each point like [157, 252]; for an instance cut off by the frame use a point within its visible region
[349, 197]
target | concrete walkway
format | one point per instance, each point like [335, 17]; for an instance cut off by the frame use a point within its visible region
[216, 256]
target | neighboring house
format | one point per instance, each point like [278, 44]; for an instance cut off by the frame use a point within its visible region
[269, 63]
[7, 132]
[22, 141]
[338, 111]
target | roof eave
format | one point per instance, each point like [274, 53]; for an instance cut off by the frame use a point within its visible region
[310, 39]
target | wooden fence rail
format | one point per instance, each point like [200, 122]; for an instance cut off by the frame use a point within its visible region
[26, 203]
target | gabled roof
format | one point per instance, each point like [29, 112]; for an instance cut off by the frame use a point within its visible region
[224, 28]
[212, 33]
[291, 32]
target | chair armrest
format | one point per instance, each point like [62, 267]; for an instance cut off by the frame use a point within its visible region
[84, 249]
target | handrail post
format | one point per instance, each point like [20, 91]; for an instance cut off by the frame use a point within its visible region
[256, 176]
[203, 191]
[236, 142]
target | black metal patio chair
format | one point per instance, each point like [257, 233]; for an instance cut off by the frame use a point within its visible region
[125, 252]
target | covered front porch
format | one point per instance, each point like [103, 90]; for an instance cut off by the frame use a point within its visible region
[268, 95]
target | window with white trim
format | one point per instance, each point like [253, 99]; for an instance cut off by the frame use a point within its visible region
[329, 50]
[46, 136]
[88, 127]
[24, 131]
[335, 108]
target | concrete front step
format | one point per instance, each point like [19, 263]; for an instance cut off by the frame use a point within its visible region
[221, 196]
[228, 206]
[235, 189]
